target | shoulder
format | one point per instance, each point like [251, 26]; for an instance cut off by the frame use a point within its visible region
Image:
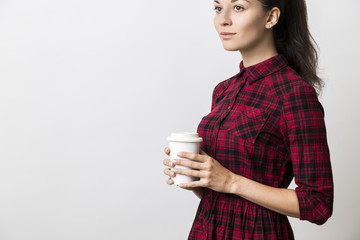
[287, 82]
[223, 85]
[295, 93]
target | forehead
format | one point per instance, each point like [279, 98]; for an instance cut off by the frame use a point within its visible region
[232, 1]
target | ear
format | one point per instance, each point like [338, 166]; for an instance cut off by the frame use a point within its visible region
[273, 16]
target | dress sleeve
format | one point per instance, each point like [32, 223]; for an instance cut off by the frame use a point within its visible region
[303, 127]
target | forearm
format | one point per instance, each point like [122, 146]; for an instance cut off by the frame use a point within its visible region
[283, 201]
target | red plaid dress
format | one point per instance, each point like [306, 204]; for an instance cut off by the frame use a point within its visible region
[266, 124]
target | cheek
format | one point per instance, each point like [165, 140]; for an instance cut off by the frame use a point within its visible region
[250, 32]
[216, 24]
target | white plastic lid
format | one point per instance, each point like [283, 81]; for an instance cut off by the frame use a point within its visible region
[184, 137]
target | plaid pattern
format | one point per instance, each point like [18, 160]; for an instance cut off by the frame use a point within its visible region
[266, 124]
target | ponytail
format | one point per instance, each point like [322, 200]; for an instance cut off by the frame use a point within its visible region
[294, 40]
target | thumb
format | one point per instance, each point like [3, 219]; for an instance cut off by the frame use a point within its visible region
[202, 152]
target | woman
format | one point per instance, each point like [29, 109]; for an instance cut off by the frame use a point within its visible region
[265, 127]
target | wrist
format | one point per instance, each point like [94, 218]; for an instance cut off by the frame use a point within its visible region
[233, 183]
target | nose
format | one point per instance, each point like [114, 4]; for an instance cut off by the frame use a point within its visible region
[225, 19]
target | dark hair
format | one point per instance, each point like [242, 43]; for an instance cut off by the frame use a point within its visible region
[294, 40]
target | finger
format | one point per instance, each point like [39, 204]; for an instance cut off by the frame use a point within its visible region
[191, 184]
[167, 150]
[170, 173]
[189, 172]
[170, 181]
[190, 164]
[192, 156]
[168, 162]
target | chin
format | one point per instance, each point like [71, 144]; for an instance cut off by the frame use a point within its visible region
[229, 47]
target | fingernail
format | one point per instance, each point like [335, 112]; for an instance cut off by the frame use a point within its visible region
[172, 174]
[179, 154]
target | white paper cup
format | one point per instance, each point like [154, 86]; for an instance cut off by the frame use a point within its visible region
[183, 142]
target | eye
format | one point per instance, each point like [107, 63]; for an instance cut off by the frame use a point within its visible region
[238, 8]
[216, 9]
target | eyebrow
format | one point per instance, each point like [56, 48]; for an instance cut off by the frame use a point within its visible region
[232, 1]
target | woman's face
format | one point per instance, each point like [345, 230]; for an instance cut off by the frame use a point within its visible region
[245, 19]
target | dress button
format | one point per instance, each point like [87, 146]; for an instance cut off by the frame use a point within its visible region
[229, 107]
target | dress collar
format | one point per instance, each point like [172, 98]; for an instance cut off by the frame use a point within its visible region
[264, 68]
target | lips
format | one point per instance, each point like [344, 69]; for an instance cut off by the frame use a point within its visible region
[226, 33]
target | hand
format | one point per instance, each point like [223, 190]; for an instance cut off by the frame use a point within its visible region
[211, 173]
[167, 171]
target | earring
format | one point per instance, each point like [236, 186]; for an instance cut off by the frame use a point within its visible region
[268, 26]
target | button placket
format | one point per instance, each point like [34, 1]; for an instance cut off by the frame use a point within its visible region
[226, 113]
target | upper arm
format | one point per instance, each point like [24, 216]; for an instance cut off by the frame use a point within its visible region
[304, 131]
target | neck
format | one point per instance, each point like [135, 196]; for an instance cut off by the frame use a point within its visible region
[264, 50]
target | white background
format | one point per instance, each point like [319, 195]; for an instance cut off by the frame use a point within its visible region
[89, 90]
